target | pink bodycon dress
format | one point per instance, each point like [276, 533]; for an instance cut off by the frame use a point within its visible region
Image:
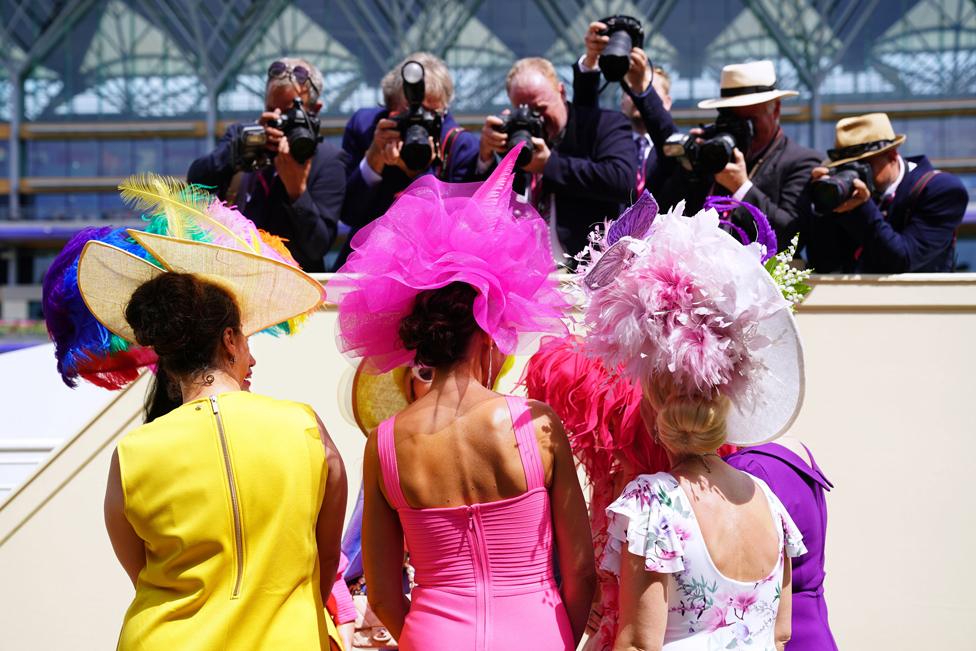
[484, 572]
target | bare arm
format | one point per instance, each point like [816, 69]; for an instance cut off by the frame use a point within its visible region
[128, 546]
[784, 615]
[328, 529]
[643, 606]
[382, 546]
[571, 525]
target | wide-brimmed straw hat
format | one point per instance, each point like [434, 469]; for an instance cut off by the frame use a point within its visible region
[378, 396]
[745, 84]
[862, 136]
[267, 291]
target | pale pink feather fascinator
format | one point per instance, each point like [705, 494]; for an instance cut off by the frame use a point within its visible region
[679, 295]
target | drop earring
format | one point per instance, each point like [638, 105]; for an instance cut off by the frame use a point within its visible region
[232, 360]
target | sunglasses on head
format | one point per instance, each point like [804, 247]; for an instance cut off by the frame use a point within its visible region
[299, 74]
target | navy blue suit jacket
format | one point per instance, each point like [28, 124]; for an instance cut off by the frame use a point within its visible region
[366, 203]
[309, 224]
[913, 238]
[658, 169]
[590, 172]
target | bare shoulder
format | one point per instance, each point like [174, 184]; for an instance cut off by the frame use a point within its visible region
[548, 427]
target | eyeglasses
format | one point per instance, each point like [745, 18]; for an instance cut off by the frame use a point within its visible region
[300, 74]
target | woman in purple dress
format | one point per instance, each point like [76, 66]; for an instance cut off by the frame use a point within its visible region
[789, 469]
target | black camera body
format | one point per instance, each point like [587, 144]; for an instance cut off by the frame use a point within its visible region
[522, 125]
[715, 151]
[830, 191]
[300, 128]
[417, 126]
[625, 33]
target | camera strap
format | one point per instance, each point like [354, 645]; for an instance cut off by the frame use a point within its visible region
[447, 147]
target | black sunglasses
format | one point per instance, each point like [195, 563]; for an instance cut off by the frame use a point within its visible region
[300, 74]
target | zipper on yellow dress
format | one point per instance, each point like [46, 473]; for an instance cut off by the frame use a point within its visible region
[235, 503]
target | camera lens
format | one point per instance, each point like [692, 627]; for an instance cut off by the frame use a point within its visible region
[828, 193]
[615, 59]
[301, 144]
[521, 136]
[416, 150]
[715, 153]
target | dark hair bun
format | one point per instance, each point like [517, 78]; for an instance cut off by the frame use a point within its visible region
[182, 318]
[440, 325]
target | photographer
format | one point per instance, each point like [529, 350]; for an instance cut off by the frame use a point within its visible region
[282, 179]
[377, 169]
[581, 167]
[744, 154]
[873, 211]
[648, 111]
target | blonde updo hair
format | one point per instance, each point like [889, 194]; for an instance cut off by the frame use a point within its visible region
[686, 424]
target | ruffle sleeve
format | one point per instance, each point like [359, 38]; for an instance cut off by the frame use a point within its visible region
[644, 519]
[792, 538]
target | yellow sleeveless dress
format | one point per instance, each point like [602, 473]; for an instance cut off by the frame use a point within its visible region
[226, 492]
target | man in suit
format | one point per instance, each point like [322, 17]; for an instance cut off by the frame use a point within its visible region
[376, 171]
[582, 169]
[648, 135]
[298, 201]
[907, 224]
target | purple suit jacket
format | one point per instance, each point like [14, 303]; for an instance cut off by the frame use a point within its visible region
[800, 487]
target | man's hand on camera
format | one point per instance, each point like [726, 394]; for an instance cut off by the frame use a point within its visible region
[595, 43]
[294, 175]
[540, 156]
[493, 141]
[274, 135]
[639, 74]
[385, 148]
[859, 197]
[735, 173]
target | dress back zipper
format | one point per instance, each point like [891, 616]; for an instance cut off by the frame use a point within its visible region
[234, 501]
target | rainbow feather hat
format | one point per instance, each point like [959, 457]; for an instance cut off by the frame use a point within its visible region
[84, 346]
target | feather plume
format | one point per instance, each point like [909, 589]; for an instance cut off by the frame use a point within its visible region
[184, 206]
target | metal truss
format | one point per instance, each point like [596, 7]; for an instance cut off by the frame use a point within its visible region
[390, 29]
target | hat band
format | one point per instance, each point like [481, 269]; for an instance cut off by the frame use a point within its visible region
[746, 90]
[854, 151]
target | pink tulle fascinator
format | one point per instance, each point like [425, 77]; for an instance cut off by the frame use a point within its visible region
[680, 295]
[437, 233]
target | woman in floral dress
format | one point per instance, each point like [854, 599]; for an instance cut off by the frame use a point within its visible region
[703, 550]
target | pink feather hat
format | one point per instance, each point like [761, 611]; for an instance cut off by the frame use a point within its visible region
[437, 233]
[679, 295]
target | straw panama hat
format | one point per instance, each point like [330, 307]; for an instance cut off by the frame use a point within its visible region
[862, 136]
[745, 84]
[267, 291]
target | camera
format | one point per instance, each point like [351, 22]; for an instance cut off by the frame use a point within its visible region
[301, 129]
[714, 152]
[418, 125]
[248, 152]
[522, 125]
[625, 33]
[830, 191]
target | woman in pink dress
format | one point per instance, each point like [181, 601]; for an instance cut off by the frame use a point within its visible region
[480, 486]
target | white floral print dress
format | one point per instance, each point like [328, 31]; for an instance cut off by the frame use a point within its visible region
[706, 610]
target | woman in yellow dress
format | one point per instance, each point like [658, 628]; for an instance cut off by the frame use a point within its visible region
[227, 511]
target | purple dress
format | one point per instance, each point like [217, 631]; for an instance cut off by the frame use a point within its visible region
[800, 488]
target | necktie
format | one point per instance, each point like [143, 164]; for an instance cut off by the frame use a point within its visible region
[642, 151]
